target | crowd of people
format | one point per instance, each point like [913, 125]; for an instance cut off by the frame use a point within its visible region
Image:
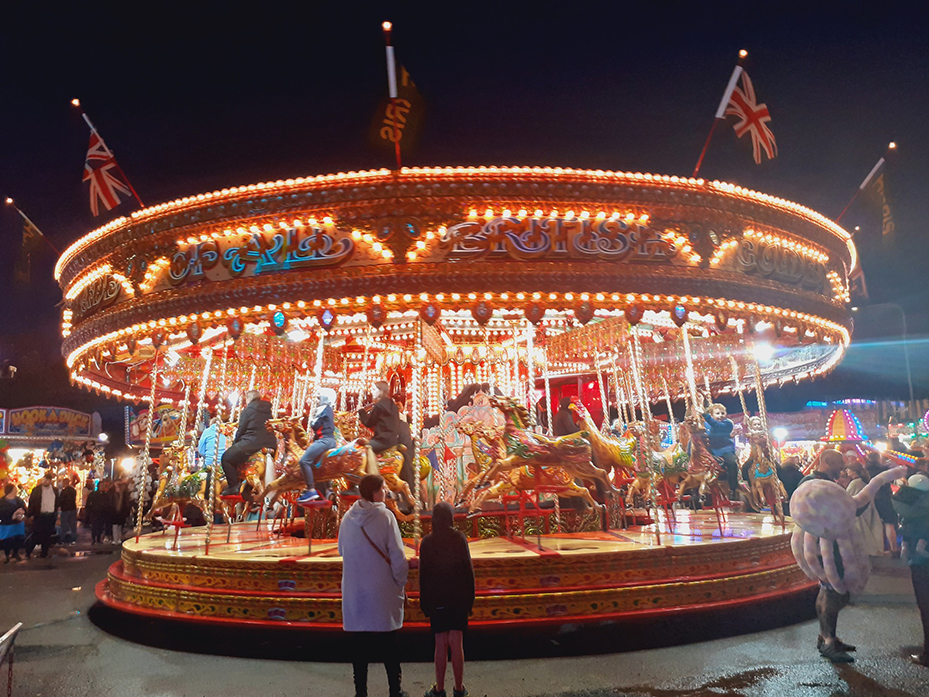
[50, 515]
[880, 523]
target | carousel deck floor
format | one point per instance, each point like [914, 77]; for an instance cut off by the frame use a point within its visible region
[262, 578]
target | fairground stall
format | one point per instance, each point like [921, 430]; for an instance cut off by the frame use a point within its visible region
[39, 438]
[648, 290]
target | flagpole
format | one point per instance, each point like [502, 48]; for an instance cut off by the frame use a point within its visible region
[721, 109]
[392, 87]
[867, 180]
[77, 103]
[34, 226]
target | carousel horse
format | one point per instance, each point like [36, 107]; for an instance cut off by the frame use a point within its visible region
[671, 465]
[177, 487]
[486, 446]
[556, 480]
[765, 486]
[703, 468]
[643, 485]
[485, 442]
[349, 460]
[522, 448]
[608, 453]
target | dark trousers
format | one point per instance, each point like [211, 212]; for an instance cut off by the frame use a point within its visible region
[68, 526]
[12, 545]
[731, 465]
[828, 605]
[97, 527]
[920, 576]
[236, 456]
[42, 530]
[375, 647]
[312, 456]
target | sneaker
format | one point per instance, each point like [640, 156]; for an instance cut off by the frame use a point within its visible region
[833, 653]
[230, 491]
[920, 659]
[433, 692]
[463, 692]
[308, 496]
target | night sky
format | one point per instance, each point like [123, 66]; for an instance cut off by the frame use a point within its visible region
[194, 97]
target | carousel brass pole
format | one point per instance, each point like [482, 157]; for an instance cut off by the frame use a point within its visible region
[738, 388]
[548, 392]
[621, 401]
[294, 393]
[640, 384]
[146, 448]
[530, 366]
[182, 434]
[201, 395]
[221, 394]
[667, 397]
[342, 398]
[759, 395]
[362, 393]
[251, 378]
[417, 432]
[318, 370]
[689, 369]
[604, 427]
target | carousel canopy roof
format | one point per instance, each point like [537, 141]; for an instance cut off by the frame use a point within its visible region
[473, 268]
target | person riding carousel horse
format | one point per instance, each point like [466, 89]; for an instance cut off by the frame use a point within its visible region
[250, 437]
[323, 425]
[382, 417]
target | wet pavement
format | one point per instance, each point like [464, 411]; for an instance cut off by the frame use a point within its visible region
[73, 648]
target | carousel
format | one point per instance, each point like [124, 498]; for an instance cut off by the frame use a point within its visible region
[471, 292]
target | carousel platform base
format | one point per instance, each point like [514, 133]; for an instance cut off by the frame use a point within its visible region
[254, 576]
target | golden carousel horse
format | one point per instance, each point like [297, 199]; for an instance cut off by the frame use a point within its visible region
[351, 461]
[643, 486]
[522, 448]
[486, 446]
[703, 468]
[177, 487]
[556, 480]
[765, 487]
[608, 453]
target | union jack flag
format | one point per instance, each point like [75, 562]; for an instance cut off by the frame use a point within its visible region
[104, 186]
[753, 118]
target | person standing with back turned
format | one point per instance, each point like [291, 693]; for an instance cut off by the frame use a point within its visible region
[374, 573]
[446, 595]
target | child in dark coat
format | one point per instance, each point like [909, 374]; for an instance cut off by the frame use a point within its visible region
[446, 595]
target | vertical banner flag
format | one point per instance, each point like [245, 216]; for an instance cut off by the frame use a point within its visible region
[753, 119]
[399, 116]
[32, 242]
[874, 188]
[876, 194]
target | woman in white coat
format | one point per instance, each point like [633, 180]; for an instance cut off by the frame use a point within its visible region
[374, 572]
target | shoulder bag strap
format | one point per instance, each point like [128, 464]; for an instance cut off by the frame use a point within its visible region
[376, 548]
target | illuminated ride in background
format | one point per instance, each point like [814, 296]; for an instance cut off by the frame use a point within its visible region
[656, 289]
